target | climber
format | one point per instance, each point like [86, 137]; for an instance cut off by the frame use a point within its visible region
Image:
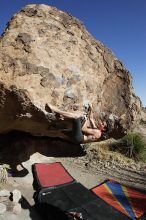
[83, 128]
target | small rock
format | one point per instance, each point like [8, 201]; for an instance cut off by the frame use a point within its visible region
[4, 193]
[2, 208]
[4, 199]
[17, 208]
[16, 195]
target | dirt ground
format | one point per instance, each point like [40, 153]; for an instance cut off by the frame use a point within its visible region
[89, 165]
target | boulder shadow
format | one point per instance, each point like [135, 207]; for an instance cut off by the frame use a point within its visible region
[16, 147]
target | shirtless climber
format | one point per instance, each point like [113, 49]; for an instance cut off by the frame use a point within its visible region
[83, 129]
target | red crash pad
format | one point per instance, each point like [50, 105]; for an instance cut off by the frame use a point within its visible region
[51, 174]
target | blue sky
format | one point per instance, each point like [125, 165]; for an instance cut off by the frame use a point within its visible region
[118, 24]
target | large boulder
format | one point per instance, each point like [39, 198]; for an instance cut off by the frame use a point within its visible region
[47, 56]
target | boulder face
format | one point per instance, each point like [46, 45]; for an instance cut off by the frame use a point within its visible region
[47, 56]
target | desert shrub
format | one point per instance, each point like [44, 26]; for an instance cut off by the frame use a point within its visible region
[134, 146]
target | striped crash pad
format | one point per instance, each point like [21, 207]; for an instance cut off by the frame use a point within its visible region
[128, 201]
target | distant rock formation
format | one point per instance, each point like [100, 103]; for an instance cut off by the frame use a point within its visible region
[47, 56]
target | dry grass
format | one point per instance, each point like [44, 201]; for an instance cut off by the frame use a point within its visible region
[3, 175]
[102, 152]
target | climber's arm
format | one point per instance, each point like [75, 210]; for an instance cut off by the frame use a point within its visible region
[91, 118]
[86, 128]
[92, 123]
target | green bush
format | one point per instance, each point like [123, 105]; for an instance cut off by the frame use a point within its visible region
[134, 146]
